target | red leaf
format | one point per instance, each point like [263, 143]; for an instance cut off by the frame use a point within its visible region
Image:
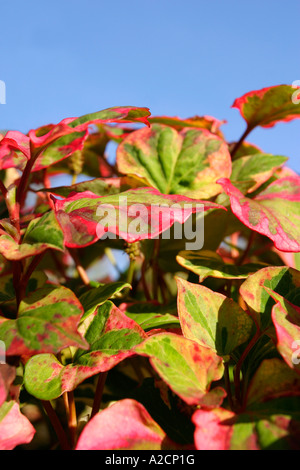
[82, 224]
[275, 212]
[126, 425]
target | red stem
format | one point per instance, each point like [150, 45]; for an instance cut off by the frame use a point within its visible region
[99, 393]
[239, 143]
[64, 443]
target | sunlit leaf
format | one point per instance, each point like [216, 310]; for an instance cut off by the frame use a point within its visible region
[188, 162]
[275, 212]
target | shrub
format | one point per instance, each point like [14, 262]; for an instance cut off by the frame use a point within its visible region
[154, 302]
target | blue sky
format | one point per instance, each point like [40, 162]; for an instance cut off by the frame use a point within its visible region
[67, 58]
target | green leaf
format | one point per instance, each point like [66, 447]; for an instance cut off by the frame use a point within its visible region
[274, 425]
[42, 233]
[186, 366]
[283, 280]
[47, 322]
[211, 318]
[150, 315]
[188, 162]
[273, 379]
[268, 106]
[256, 169]
[111, 336]
[206, 263]
[93, 298]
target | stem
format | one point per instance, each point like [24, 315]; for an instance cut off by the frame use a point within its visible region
[228, 385]
[143, 279]
[237, 381]
[155, 269]
[99, 393]
[22, 285]
[64, 443]
[72, 419]
[80, 269]
[247, 250]
[3, 189]
[239, 143]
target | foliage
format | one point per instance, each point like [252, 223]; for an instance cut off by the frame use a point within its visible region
[115, 332]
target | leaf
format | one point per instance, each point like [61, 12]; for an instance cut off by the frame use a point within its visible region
[283, 280]
[186, 366]
[111, 337]
[14, 150]
[42, 233]
[15, 429]
[206, 263]
[126, 425]
[286, 319]
[212, 319]
[200, 122]
[272, 379]
[46, 135]
[149, 315]
[47, 322]
[188, 162]
[7, 291]
[99, 186]
[60, 149]
[256, 169]
[273, 425]
[212, 431]
[93, 298]
[134, 215]
[268, 106]
[275, 212]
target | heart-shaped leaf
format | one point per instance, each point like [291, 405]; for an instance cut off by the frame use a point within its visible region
[47, 322]
[134, 215]
[188, 162]
[186, 366]
[275, 212]
[112, 338]
[211, 318]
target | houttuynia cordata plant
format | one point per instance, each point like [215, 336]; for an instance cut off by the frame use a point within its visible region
[150, 283]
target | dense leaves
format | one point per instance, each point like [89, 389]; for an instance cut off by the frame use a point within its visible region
[150, 299]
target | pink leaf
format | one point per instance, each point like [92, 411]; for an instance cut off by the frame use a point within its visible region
[137, 214]
[15, 429]
[275, 212]
[126, 425]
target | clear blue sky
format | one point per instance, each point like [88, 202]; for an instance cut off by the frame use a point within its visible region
[179, 58]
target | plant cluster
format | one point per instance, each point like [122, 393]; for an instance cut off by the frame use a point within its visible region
[115, 336]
